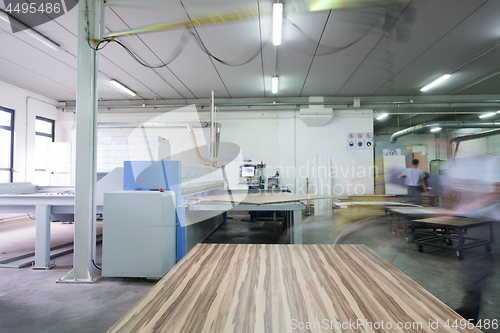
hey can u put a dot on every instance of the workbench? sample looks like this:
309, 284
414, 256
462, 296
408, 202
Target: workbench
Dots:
407, 214
451, 229
280, 288
47, 207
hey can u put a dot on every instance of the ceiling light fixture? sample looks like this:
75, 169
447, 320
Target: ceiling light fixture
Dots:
486, 115
382, 116
436, 82
277, 22
33, 33
436, 129
274, 84
122, 87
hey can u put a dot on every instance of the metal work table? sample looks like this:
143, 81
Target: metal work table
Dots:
47, 207
407, 214
452, 228
269, 288
293, 218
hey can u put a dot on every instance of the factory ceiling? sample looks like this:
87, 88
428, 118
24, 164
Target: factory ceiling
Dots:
385, 52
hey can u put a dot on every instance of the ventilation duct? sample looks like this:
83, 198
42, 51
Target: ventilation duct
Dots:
443, 125
316, 115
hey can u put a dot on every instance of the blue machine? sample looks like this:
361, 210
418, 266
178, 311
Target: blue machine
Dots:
173, 176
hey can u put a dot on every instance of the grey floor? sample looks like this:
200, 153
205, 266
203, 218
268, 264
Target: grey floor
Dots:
31, 301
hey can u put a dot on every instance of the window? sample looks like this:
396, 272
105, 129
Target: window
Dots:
6, 145
44, 134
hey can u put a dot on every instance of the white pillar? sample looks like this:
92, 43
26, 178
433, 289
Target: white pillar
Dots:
42, 237
86, 138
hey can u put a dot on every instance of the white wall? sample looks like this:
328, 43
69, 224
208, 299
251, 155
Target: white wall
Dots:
282, 141
27, 105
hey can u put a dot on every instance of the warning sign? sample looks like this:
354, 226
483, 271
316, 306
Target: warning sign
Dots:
359, 140
368, 140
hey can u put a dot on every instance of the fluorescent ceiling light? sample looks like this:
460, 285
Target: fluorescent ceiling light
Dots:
436, 129
436, 82
122, 87
277, 22
33, 33
274, 84
486, 115
382, 116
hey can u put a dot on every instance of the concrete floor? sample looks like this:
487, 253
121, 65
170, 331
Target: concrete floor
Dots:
31, 301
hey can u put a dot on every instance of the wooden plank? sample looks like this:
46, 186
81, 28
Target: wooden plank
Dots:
453, 221
269, 288
265, 198
420, 211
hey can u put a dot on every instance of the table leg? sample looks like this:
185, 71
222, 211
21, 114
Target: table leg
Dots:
491, 232
296, 229
42, 237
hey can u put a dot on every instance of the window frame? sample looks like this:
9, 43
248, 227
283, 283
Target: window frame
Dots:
52, 135
11, 129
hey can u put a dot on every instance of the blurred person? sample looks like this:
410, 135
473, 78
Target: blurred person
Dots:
415, 181
474, 271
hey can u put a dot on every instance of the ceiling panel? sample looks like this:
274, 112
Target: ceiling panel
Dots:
153, 48
355, 57
353, 33
471, 35
416, 29
25, 78
294, 54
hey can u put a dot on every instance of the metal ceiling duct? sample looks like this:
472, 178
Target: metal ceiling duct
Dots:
453, 153
443, 125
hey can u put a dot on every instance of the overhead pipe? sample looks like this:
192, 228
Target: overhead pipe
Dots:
453, 154
443, 125
122, 125
367, 102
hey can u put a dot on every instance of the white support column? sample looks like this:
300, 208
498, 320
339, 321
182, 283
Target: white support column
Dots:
84, 270
42, 237
296, 236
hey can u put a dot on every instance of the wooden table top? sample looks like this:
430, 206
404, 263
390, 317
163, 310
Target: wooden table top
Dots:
420, 210
452, 221
266, 198
280, 288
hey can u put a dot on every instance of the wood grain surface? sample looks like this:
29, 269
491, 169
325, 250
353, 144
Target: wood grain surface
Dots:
420, 211
280, 288
452, 221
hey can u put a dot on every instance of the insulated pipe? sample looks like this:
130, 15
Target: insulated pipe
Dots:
444, 124
151, 125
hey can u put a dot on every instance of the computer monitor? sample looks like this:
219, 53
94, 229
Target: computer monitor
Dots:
247, 171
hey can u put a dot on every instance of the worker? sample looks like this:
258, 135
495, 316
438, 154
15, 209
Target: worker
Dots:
415, 181
474, 272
